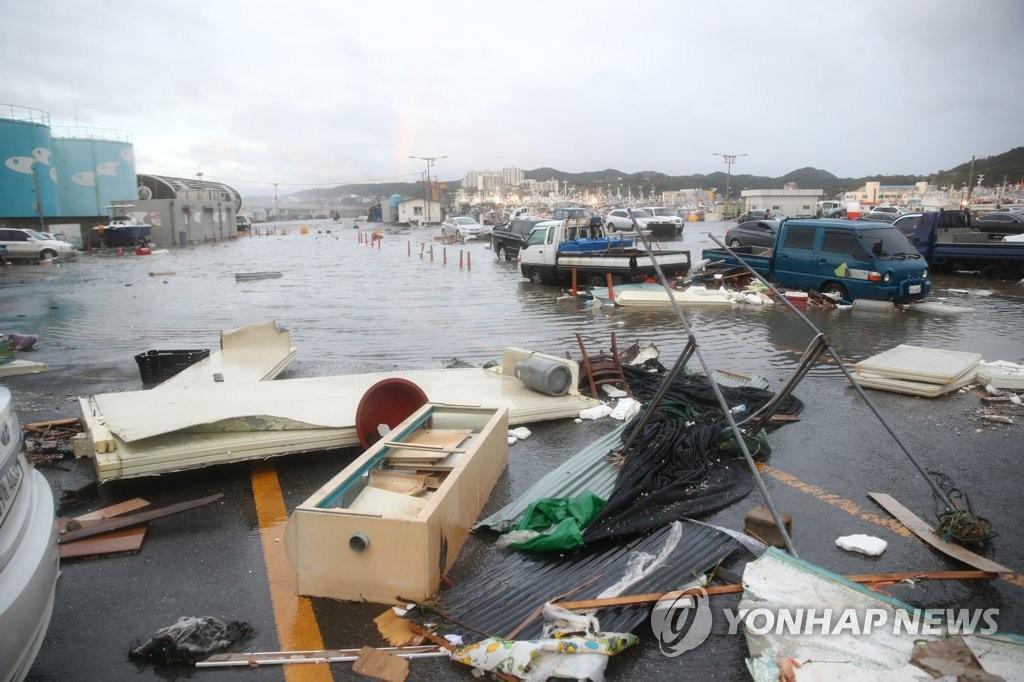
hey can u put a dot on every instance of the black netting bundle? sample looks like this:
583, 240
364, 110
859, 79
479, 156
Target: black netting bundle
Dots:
190, 639
685, 463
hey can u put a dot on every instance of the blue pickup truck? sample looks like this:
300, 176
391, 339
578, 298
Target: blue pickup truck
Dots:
950, 242
845, 258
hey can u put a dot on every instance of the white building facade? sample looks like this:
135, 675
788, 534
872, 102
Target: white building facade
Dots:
417, 211
792, 203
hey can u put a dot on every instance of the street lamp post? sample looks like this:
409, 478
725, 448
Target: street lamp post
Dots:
426, 185
729, 159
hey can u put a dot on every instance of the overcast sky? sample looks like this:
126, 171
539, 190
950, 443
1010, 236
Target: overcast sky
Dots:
326, 92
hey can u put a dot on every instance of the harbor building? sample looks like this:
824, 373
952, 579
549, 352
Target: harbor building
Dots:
185, 211
874, 193
792, 203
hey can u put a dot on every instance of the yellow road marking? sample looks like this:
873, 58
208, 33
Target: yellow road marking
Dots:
854, 509
297, 629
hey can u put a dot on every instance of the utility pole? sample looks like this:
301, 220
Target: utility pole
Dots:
729, 159
426, 185
275, 200
970, 181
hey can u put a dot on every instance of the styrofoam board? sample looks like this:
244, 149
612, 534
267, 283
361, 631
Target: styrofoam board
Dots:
915, 363
18, 367
916, 388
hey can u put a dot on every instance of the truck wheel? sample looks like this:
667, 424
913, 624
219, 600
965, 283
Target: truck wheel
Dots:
837, 289
992, 271
510, 255
47, 254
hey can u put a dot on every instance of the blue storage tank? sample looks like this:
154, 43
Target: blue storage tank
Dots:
93, 172
396, 199
26, 160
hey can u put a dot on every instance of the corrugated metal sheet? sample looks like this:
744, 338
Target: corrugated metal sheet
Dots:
589, 469
506, 595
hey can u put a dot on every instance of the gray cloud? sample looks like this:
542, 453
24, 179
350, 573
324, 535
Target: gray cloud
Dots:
322, 92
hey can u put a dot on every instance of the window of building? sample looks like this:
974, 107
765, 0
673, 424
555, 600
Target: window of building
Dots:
807, 208
800, 237
845, 243
775, 208
417, 210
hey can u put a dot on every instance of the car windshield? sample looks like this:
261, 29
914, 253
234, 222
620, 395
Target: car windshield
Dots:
640, 213
662, 211
465, 221
892, 242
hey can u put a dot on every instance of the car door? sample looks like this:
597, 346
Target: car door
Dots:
19, 244
796, 258
843, 258
763, 234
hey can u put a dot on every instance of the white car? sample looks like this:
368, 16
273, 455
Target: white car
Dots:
28, 551
667, 214
659, 227
895, 210
29, 244
460, 226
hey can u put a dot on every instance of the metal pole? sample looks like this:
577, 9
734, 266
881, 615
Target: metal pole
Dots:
737, 434
729, 159
849, 377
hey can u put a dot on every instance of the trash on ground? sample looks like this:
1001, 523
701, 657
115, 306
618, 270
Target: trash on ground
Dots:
190, 640
133, 434
553, 524
381, 665
254, 276
919, 371
625, 409
595, 412
777, 581
393, 628
122, 541
760, 524
259, 658
358, 539
922, 530
252, 352
864, 544
1002, 374
22, 342
127, 520
18, 366
520, 432
613, 391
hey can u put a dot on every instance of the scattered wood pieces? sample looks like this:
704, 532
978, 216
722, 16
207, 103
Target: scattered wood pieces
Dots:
381, 665
926, 533
735, 588
394, 629
998, 418
114, 510
53, 423
115, 542
125, 521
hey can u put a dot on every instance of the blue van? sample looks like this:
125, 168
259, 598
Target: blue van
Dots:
851, 259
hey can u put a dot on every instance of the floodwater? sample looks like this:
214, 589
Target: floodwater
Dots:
355, 308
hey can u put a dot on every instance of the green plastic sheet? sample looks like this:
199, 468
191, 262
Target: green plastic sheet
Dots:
559, 521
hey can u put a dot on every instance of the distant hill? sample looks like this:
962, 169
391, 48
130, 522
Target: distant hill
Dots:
1008, 164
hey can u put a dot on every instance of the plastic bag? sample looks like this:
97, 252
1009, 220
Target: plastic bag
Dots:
189, 640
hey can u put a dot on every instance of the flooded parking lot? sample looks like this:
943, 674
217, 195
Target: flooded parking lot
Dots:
352, 308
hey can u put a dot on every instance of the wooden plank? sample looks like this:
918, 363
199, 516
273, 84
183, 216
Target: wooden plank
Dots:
397, 482
127, 520
926, 533
381, 665
67, 421
404, 455
114, 510
114, 542
438, 438
385, 502
736, 588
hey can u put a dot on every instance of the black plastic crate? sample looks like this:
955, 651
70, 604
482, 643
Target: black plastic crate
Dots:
156, 366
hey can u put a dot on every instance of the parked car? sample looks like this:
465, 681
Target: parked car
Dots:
753, 215
1001, 222
460, 226
660, 227
877, 216
663, 213
752, 233
895, 210
32, 245
28, 551
573, 213
508, 239
846, 258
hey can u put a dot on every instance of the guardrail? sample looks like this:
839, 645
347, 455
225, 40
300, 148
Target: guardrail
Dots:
14, 112
89, 133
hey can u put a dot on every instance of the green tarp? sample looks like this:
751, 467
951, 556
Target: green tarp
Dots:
558, 522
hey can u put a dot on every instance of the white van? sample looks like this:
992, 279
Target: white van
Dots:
28, 551
33, 245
